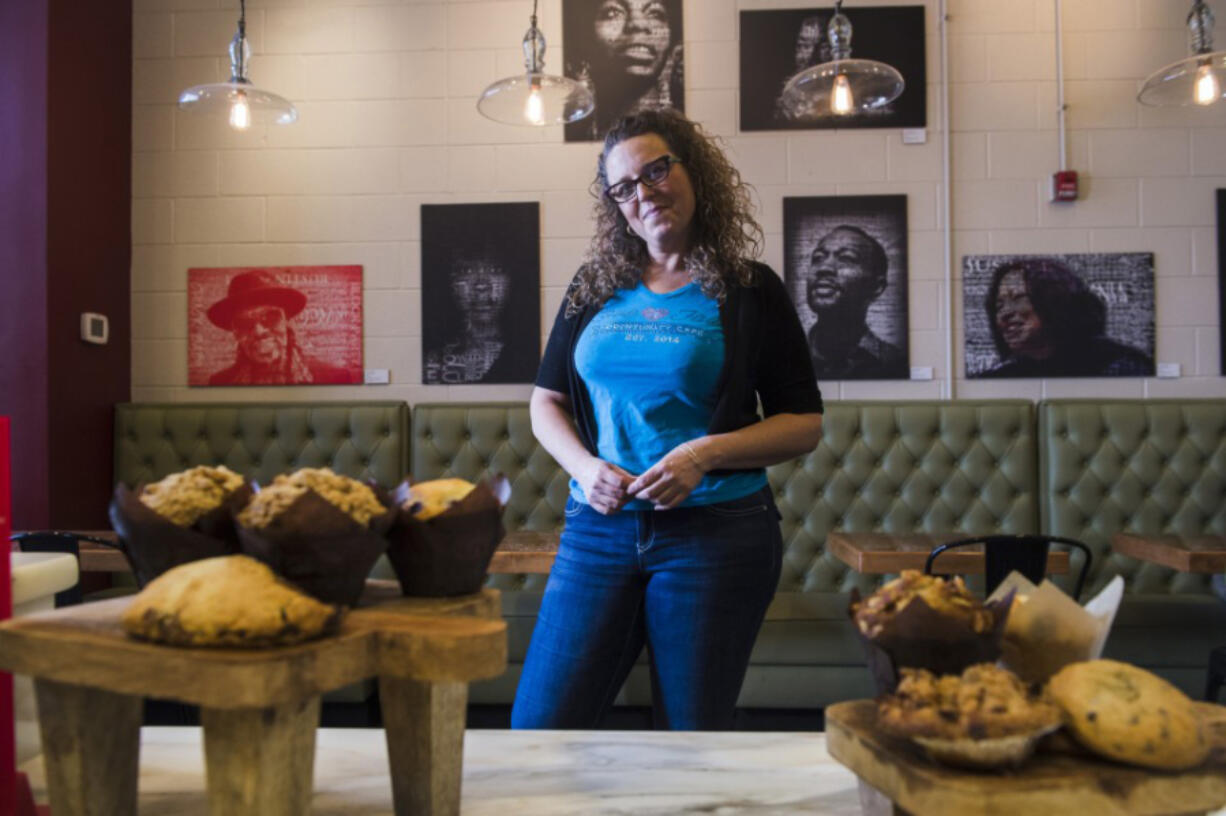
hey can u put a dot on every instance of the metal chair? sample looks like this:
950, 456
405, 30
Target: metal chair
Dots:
59, 541
1025, 553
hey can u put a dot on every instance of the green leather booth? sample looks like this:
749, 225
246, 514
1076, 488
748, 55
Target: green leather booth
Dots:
1146, 466
915, 466
365, 440
1083, 469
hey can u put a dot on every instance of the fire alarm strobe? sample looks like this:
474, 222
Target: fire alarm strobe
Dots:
1064, 186
95, 328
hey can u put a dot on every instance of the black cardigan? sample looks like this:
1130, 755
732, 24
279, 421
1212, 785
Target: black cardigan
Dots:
766, 357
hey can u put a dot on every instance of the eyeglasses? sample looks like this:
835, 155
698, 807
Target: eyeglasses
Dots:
654, 172
270, 317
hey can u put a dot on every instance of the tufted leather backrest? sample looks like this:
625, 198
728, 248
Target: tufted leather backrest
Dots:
915, 466
918, 466
365, 440
1152, 466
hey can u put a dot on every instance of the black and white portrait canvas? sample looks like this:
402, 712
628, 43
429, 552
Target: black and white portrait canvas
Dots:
480, 293
776, 44
1083, 315
629, 53
845, 266
1221, 273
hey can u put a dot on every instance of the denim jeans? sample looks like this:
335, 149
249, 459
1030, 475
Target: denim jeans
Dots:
692, 584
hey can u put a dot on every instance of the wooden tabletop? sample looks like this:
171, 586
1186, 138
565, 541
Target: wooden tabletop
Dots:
882, 553
520, 551
1046, 783
1203, 553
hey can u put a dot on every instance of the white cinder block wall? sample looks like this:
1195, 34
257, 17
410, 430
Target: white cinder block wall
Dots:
386, 92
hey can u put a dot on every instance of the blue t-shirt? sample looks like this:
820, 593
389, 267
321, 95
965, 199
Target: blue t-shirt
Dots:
651, 363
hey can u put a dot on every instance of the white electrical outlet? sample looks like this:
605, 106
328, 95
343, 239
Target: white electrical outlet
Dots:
914, 135
1168, 370
921, 372
377, 376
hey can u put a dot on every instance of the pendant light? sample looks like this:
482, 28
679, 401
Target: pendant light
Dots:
238, 100
843, 86
536, 98
1196, 80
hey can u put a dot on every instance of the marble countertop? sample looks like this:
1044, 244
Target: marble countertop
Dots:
543, 773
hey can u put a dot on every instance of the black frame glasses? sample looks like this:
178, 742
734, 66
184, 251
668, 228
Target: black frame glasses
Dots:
654, 173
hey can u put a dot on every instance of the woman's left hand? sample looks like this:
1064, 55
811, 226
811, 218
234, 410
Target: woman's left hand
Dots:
669, 481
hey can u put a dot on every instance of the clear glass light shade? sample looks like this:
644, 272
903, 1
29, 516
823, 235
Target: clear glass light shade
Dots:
536, 100
1197, 80
841, 88
242, 104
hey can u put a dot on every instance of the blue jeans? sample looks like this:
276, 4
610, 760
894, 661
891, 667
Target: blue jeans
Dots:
692, 584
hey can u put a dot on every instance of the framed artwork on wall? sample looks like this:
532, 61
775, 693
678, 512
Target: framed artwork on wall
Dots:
1221, 276
480, 293
287, 325
629, 53
1081, 315
777, 44
845, 266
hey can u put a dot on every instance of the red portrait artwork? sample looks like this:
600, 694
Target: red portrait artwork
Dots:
283, 325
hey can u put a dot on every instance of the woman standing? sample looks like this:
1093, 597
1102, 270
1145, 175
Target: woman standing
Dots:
647, 396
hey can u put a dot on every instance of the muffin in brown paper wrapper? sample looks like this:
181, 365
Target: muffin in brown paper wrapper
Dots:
449, 553
153, 544
319, 548
921, 637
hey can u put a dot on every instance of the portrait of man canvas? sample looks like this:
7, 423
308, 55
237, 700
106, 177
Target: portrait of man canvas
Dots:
286, 325
845, 266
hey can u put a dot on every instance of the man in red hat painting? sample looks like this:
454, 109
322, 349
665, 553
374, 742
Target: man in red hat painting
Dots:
257, 310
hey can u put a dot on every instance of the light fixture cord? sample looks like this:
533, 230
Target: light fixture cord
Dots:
242, 18
1200, 27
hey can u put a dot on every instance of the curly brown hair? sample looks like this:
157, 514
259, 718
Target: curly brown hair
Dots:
726, 237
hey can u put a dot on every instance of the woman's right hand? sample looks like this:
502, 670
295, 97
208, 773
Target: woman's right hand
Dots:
604, 484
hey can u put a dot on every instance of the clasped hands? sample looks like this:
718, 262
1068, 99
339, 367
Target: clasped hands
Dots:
665, 484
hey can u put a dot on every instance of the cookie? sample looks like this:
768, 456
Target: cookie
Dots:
1128, 714
228, 601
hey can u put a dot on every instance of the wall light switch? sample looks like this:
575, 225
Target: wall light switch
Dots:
95, 328
377, 376
1168, 370
914, 136
921, 372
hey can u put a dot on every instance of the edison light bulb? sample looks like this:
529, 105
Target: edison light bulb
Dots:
240, 112
534, 108
840, 101
1208, 89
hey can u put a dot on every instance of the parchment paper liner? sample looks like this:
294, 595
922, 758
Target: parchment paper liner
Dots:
920, 637
448, 554
153, 544
319, 548
991, 753
1047, 630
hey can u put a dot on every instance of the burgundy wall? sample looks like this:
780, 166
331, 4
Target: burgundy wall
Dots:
65, 167
23, 252
89, 150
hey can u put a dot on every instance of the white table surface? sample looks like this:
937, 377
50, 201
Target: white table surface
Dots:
543, 773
